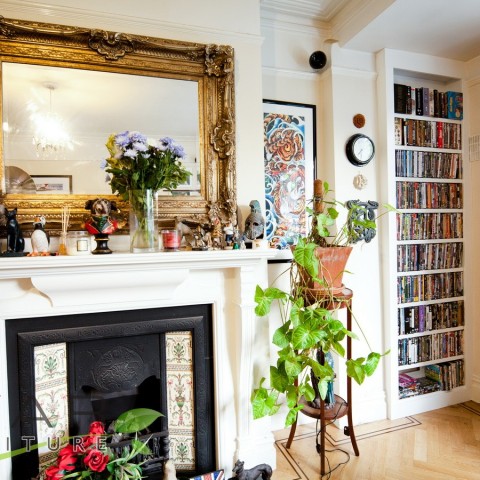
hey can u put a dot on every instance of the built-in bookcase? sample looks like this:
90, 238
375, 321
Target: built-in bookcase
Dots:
426, 269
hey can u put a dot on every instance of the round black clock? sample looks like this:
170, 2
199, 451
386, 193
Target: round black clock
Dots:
360, 149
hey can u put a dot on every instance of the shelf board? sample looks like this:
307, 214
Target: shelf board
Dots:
431, 332
402, 368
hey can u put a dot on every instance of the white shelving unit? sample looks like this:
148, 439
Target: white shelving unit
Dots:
417, 287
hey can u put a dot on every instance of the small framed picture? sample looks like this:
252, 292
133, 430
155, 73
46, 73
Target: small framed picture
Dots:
53, 183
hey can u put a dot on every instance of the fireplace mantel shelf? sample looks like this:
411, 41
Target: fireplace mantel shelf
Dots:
119, 277
26, 267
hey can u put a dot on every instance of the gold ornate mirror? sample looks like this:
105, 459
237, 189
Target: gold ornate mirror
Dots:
164, 88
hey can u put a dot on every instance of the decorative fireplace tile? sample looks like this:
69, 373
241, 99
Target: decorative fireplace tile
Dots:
180, 399
51, 394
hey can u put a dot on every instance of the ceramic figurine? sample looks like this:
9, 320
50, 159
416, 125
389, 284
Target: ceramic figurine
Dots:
15, 240
40, 239
254, 223
101, 223
263, 471
228, 232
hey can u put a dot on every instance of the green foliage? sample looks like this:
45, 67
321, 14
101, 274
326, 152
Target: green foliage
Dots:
136, 420
308, 326
323, 232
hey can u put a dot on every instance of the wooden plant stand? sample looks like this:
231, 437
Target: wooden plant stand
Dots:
341, 408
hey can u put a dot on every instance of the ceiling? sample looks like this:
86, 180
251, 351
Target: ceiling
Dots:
434, 27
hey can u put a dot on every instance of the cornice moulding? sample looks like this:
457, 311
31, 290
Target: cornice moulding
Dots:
34, 11
289, 24
294, 74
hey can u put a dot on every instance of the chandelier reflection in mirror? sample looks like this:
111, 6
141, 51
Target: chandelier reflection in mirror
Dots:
50, 137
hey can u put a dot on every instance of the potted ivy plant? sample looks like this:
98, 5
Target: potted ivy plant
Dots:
308, 312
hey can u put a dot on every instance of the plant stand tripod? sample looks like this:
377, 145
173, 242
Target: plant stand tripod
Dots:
341, 408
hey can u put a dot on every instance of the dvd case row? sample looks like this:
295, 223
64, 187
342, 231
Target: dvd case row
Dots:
426, 101
429, 256
430, 347
424, 318
440, 376
428, 133
449, 375
429, 195
424, 164
429, 226
434, 286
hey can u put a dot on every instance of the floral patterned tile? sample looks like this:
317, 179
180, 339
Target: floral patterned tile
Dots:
51, 395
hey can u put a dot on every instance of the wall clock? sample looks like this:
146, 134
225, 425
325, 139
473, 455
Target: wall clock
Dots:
359, 149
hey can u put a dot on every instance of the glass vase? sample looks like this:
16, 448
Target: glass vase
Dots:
143, 221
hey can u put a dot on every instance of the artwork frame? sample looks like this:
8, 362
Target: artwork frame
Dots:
289, 155
53, 184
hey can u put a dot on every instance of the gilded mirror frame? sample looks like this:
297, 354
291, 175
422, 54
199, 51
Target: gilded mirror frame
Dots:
212, 66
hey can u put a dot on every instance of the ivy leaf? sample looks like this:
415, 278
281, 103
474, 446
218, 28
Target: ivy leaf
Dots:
308, 392
323, 388
292, 415
264, 299
278, 378
293, 368
304, 337
280, 336
304, 255
372, 363
264, 401
135, 420
355, 369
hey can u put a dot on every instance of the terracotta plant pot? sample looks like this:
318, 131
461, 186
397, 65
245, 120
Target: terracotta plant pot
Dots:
332, 263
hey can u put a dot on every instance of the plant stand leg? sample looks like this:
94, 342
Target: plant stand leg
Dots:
351, 431
292, 433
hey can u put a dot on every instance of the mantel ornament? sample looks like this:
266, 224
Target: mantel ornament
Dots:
211, 66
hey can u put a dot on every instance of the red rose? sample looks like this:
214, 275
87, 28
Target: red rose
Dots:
87, 441
66, 458
95, 460
97, 428
53, 473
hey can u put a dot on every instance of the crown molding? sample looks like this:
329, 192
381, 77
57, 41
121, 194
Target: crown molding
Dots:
37, 11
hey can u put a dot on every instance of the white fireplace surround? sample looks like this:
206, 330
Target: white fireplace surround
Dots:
46, 286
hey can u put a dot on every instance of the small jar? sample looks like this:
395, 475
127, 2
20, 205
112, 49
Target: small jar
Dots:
78, 243
171, 240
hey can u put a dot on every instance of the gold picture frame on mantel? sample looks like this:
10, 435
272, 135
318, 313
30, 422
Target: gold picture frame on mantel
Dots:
210, 66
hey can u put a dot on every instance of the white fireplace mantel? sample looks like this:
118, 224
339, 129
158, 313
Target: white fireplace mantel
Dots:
59, 285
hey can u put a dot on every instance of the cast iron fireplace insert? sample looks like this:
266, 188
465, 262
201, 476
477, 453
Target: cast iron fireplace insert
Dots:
124, 331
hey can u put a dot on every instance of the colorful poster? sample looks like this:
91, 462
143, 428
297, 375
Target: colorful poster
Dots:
289, 158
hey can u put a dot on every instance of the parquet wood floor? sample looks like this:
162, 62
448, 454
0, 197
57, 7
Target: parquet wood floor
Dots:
442, 444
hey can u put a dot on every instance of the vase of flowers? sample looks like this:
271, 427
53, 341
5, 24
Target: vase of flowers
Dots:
138, 168
90, 457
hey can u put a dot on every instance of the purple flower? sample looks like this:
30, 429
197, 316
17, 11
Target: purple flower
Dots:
130, 152
103, 164
168, 143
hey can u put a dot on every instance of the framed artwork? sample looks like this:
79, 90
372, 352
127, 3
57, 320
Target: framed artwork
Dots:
289, 158
53, 183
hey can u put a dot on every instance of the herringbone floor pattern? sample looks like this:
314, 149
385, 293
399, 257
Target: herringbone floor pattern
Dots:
442, 444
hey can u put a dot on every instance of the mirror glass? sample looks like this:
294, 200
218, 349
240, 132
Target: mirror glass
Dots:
81, 109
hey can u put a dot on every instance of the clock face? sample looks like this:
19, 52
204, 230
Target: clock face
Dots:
363, 149
360, 149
